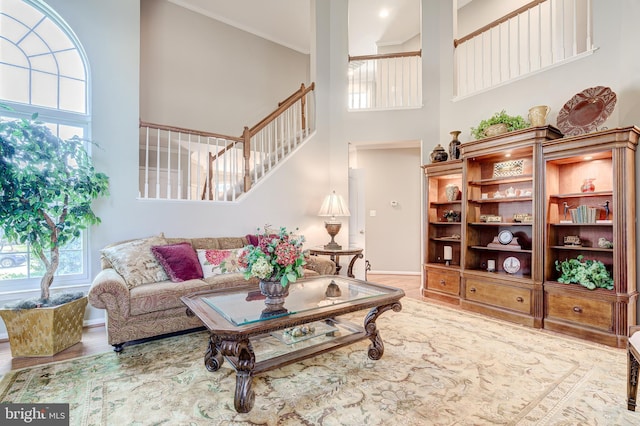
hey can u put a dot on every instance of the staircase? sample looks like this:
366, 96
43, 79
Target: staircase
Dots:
186, 164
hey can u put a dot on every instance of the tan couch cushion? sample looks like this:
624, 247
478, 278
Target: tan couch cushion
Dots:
166, 295
135, 261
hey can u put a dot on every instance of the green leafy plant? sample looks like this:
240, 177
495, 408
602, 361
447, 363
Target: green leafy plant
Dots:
47, 186
591, 274
513, 122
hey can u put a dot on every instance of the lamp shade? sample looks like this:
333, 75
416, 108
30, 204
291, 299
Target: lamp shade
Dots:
333, 206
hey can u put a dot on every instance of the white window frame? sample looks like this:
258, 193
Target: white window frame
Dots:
27, 287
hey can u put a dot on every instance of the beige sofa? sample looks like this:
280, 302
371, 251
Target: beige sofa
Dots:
142, 302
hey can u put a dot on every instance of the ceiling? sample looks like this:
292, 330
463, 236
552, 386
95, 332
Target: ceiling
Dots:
287, 22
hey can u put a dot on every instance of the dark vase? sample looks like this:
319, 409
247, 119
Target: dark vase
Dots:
454, 145
274, 292
438, 154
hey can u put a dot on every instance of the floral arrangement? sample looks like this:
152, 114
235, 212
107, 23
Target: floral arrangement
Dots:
277, 257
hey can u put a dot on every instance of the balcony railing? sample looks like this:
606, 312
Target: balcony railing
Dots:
538, 35
389, 81
186, 164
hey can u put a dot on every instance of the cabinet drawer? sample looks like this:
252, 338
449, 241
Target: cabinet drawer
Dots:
594, 313
447, 282
514, 298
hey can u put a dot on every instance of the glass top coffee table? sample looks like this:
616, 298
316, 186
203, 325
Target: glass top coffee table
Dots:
255, 337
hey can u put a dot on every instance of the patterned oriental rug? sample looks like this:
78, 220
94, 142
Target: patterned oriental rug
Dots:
441, 366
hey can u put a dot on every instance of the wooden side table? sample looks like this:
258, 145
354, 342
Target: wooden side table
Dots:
334, 255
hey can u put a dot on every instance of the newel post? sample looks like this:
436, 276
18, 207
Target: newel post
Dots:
246, 154
303, 101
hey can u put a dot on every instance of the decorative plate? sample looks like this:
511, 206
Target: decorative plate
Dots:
511, 265
584, 112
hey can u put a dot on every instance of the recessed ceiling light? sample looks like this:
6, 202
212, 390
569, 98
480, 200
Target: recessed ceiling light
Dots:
588, 157
507, 155
383, 13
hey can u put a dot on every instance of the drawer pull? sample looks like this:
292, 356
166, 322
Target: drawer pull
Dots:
443, 283
519, 299
472, 290
577, 309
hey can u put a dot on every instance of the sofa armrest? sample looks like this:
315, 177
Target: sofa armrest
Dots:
322, 266
109, 291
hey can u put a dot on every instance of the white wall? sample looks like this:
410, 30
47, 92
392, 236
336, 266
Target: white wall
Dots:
608, 66
202, 74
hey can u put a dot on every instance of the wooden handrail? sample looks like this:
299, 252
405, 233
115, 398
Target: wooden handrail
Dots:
300, 93
497, 22
245, 139
385, 56
189, 131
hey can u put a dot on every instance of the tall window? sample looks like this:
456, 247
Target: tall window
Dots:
43, 69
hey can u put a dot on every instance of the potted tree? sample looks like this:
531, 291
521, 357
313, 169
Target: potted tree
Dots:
47, 186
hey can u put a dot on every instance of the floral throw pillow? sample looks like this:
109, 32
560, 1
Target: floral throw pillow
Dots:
216, 262
135, 261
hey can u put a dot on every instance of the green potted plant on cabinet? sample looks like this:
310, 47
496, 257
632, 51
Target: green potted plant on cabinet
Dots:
47, 186
499, 123
591, 274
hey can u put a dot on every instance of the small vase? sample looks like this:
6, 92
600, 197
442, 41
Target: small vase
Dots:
274, 292
538, 115
438, 154
588, 186
454, 145
452, 191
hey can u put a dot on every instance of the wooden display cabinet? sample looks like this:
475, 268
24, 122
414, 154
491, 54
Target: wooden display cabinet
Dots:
502, 248
597, 222
443, 235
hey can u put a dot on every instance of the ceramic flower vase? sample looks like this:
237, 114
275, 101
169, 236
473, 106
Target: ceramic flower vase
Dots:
454, 145
452, 191
538, 115
274, 292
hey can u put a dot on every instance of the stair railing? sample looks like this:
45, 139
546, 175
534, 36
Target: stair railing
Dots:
185, 164
385, 81
539, 35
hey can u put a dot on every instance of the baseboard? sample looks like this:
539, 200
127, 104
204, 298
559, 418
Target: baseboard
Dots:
392, 273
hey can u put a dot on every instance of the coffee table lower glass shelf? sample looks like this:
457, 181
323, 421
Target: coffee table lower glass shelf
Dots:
254, 343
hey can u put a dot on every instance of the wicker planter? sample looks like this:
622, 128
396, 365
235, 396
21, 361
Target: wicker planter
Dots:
44, 331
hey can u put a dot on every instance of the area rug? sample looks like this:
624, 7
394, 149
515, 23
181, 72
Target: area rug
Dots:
441, 366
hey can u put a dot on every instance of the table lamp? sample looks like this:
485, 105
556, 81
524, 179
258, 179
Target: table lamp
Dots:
332, 207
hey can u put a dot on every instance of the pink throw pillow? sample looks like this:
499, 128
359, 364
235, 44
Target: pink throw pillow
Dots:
180, 261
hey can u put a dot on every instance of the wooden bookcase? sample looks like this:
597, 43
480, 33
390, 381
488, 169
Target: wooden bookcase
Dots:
502, 177
607, 157
442, 278
513, 229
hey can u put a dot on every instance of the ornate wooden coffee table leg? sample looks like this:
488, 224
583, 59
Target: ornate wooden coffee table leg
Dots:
213, 358
376, 348
243, 352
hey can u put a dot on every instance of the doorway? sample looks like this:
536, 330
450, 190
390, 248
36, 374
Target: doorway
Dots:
385, 198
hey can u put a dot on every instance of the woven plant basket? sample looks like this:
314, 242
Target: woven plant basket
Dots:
44, 331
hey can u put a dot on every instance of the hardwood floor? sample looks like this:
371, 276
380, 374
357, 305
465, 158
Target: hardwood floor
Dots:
94, 339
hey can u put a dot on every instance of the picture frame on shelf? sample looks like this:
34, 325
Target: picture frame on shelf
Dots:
508, 168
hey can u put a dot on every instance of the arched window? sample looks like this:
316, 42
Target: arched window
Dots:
43, 69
